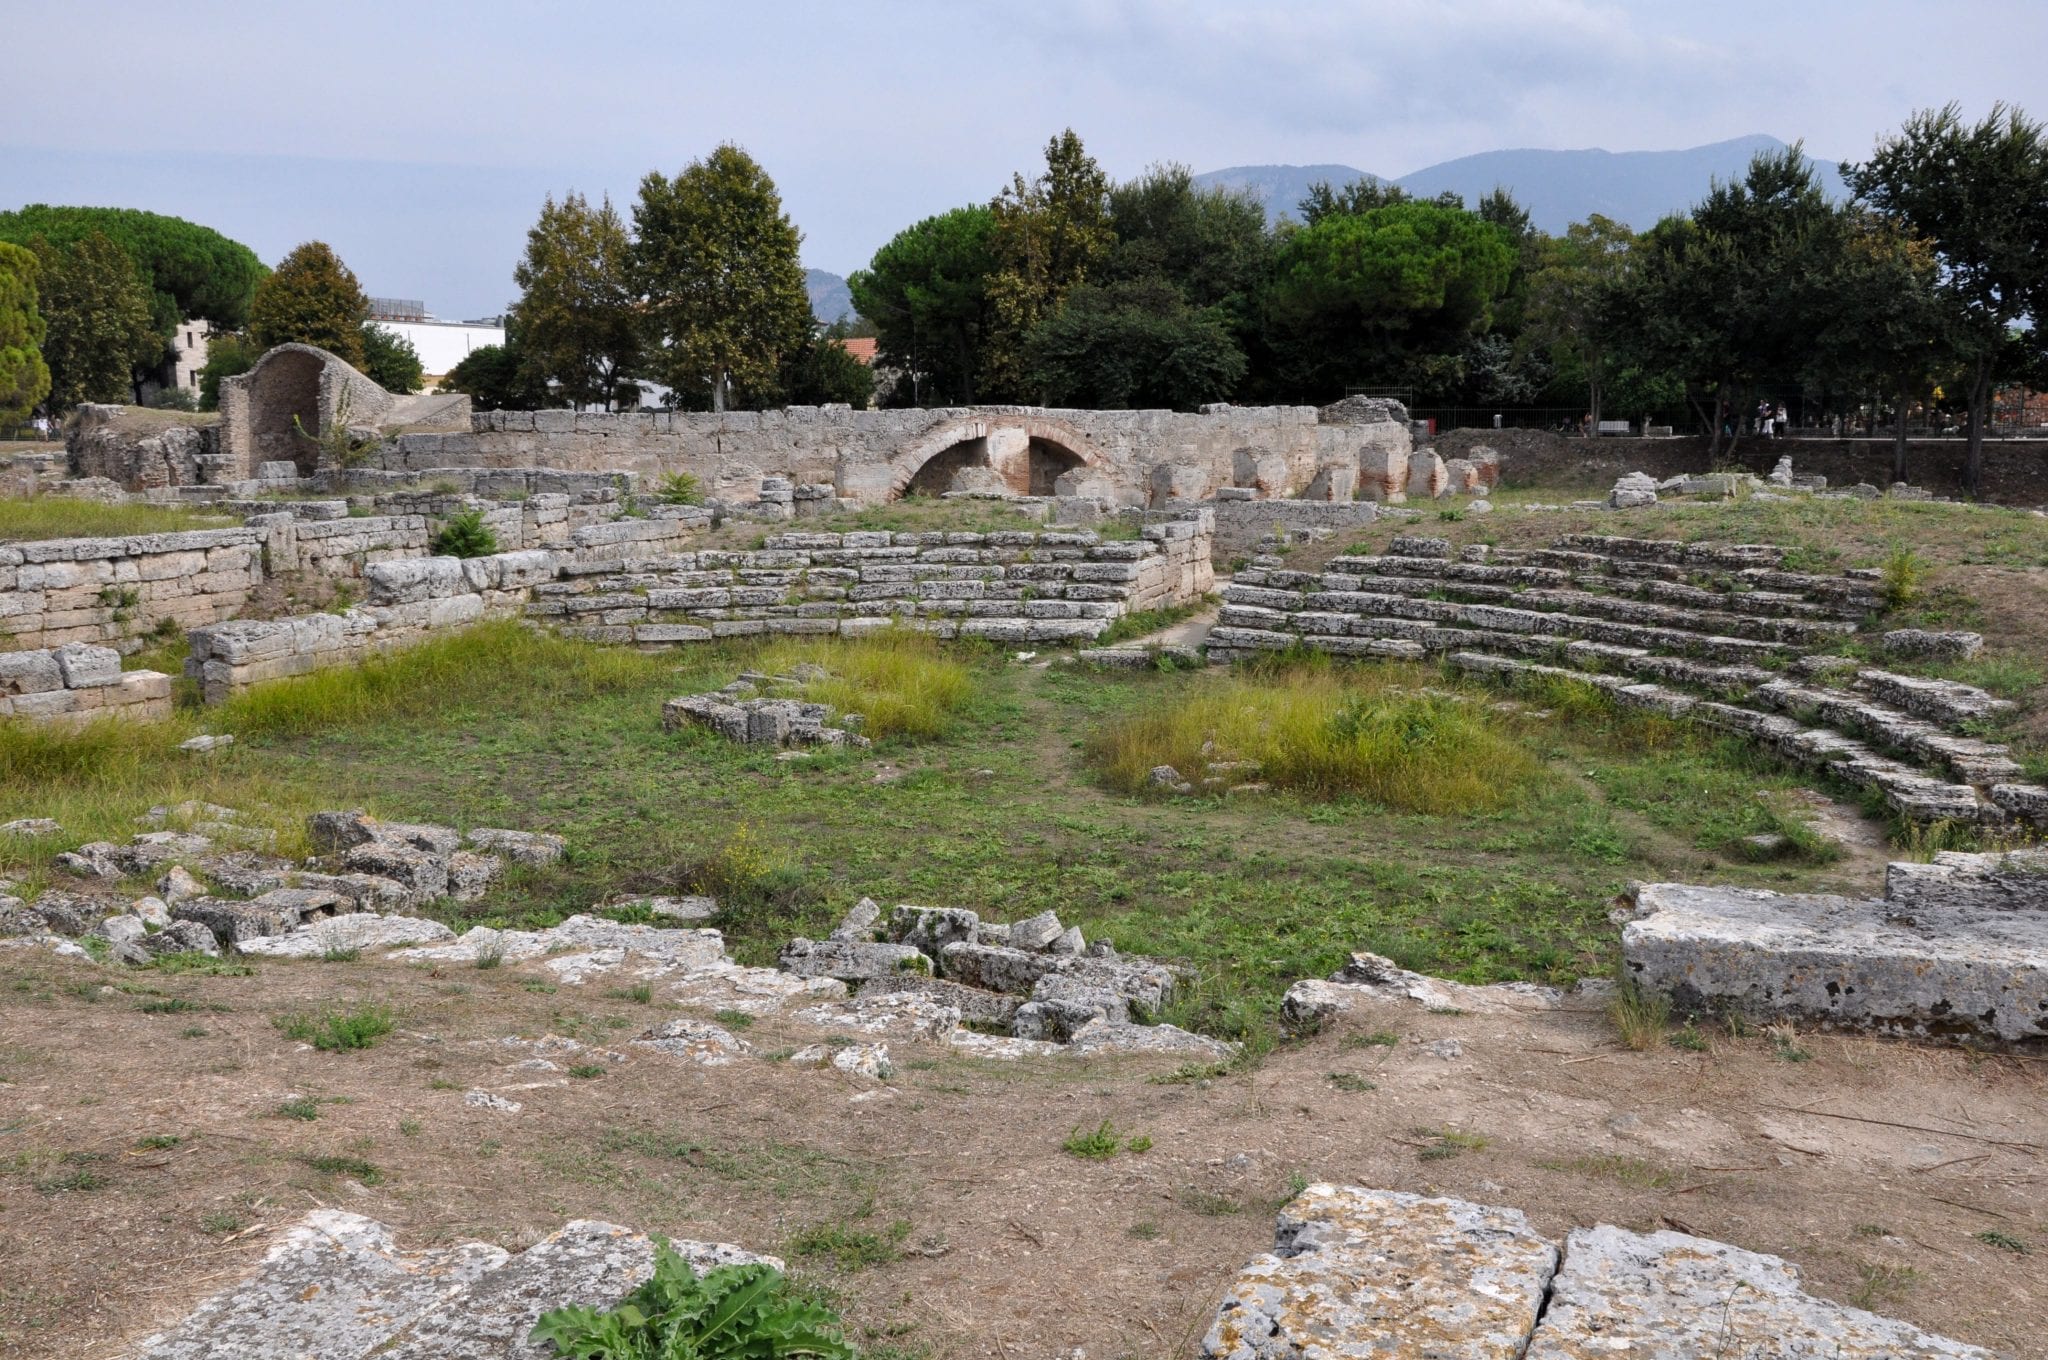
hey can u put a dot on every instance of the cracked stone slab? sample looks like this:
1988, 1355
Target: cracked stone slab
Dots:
730, 986
697, 1041
1668, 1296
1359, 1274
862, 1060
333, 1284
1371, 978
661, 950
900, 1015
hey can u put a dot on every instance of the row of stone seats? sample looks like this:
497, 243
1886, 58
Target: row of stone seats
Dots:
1531, 614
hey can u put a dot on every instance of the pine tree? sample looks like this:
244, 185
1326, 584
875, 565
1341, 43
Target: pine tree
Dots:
311, 299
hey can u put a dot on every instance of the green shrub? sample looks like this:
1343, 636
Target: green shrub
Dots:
679, 488
1903, 575
730, 1313
1098, 1145
465, 535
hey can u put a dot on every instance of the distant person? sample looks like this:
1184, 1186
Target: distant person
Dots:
1782, 421
1763, 419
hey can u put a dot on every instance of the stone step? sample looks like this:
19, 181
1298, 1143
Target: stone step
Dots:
1942, 700
1971, 760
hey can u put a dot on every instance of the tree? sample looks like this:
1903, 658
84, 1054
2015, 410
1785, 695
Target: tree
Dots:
716, 260
577, 312
1132, 344
1212, 245
1570, 293
1359, 196
390, 360
97, 315
926, 292
24, 376
189, 270
228, 354
1049, 234
311, 299
497, 378
1979, 194
823, 371
1358, 295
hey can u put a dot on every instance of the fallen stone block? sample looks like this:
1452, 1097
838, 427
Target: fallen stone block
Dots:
1355, 1274
861, 1060
346, 934
850, 960
900, 1015
696, 1041
531, 849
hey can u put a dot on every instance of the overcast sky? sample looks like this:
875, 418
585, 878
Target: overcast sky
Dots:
439, 120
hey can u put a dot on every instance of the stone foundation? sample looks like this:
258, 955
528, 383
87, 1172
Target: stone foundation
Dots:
77, 682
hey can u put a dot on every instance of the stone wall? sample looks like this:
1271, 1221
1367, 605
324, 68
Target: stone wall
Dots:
1240, 524
78, 681
617, 584
55, 591
1012, 587
874, 456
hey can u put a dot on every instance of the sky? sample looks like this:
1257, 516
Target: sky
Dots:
418, 138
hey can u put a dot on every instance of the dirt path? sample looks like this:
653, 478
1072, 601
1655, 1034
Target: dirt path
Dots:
1897, 1178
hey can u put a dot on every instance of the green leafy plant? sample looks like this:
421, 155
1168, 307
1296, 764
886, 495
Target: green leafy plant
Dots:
1097, 1146
1902, 576
679, 488
740, 1312
465, 535
336, 1032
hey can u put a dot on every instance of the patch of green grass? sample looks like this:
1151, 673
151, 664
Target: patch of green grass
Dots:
305, 1108
44, 517
82, 1180
1630, 1171
642, 992
1640, 1017
849, 1248
1379, 1038
1442, 1144
1144, 1231
366, 1173
1991, 1237
588, 1071
338, 1031
1325, 732
1206, 1203
903, 683
158, 1142
1688, 1038
732, 1019
221, 1221
1148, 621
410, 1128
1351, 1082
1093, 1145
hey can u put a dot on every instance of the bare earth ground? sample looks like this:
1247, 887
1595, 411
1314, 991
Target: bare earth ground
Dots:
1872, 1166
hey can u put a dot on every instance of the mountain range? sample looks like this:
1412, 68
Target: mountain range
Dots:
1557, 187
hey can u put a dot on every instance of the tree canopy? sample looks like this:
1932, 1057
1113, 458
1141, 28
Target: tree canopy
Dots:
311, 299
926, 292
1049, 233
715, 258
188, 270
24, 376
98, 323
577, 314
390, 360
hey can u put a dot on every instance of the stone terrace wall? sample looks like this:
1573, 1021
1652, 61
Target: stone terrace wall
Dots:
869, 455
618, 585
1011, 587
78, 681
60, 590
410, 597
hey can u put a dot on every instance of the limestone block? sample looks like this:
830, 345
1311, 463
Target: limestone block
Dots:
31, 672
1265, 475
1333, 482
1667, 1296
1177, 482
1427, 479
851, 961
1635, 490
1363, 1273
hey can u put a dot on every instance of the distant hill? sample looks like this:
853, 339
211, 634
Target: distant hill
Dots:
830, 300
1557, 187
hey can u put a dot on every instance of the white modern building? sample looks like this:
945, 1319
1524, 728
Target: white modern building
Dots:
441, 344
188, 344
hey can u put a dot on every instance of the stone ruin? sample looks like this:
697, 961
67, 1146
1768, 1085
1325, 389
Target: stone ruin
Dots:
742, 713
1038, 982
1637, 490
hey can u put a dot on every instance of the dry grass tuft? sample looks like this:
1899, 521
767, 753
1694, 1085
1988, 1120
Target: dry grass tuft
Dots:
1328, 732
901, 681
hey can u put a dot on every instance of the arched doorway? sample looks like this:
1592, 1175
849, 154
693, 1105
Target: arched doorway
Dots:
284, 409
935, 478
1046, 461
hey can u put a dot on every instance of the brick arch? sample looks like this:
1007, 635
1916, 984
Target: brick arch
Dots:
1062, 440
293, 387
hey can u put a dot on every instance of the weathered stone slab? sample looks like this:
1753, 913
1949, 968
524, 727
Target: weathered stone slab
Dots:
362, 930
332, 1285
851, 960
1374, 1274
697, 1041
1924, 968
1668, 1296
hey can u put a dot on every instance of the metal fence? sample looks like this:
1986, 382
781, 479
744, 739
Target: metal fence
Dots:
1561, 419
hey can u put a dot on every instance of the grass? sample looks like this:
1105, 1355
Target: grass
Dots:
304, 1108
1640, 1017
41, 517
1094, 1145
368, 1173
1326, 732
1443, 1144
1146, 622
338, 1031
847, 1248
902, 683
1002, 813
1991, 1237
1630, 1171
